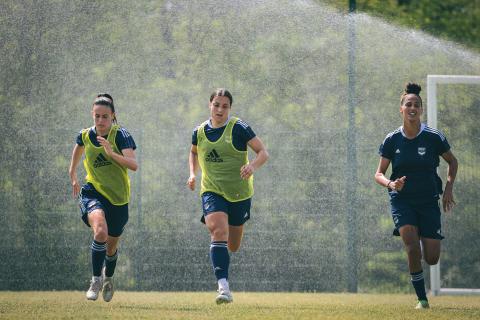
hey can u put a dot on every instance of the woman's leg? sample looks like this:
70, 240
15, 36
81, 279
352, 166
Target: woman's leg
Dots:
117, 218
431, 250
411, 240
217, 224
235, 235
110, 264
111, 257
97, 221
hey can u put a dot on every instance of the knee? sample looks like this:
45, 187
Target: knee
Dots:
414, 250
219, 234
432, 259
409, 236
100, 233
233, 247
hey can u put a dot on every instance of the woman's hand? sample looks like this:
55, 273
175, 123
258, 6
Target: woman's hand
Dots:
397, 184
76, 156
75, 188
191, 182
106, 145
447, 199
246, 171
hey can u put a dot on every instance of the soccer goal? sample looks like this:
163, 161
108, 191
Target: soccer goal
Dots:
432, 82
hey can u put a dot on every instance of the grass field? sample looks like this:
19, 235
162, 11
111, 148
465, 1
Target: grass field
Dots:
195, 305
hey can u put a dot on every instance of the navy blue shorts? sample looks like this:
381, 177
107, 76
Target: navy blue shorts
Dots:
425, 216
238, 212
116, 216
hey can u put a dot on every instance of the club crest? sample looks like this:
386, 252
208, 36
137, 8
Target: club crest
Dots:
422, 151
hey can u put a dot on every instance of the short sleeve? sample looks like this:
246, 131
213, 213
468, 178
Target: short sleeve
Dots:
443, 145
242, 133
79, 139
386, 148
124, 140
247, 134
194, 136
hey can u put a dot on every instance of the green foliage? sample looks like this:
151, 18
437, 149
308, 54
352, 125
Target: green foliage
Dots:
455, 20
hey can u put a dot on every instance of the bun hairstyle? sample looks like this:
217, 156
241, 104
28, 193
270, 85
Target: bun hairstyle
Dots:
104, 99
411, 88
221, 92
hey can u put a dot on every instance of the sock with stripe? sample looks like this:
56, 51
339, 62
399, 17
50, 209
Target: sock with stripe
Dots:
99, 251
418, 283
110, 264
220, 259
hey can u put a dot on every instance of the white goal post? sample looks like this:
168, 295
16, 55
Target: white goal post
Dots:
432, 81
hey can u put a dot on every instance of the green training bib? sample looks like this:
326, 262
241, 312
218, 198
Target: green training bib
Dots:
108, 177
220, 163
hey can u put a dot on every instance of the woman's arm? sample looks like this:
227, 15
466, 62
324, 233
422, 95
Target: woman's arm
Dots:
193, 165
447, 199
380, 178
126, 159
262, 156
72, 170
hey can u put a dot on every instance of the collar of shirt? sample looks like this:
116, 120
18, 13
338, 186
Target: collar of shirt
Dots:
422, 126
94, 130
209, 123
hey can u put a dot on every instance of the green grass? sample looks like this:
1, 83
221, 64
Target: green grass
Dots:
247, 305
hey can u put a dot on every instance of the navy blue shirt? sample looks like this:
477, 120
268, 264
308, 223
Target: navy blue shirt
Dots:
241, 134
417, 159
123, 140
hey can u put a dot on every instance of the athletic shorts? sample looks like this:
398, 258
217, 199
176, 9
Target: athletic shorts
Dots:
238, 212
116, 216
425, 216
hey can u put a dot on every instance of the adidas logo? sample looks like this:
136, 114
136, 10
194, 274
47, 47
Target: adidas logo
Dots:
398, 151
101, 161
213, 157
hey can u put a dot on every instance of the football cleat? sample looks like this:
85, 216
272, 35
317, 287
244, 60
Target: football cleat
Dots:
422, 304
224, 296
107, 290
95, 287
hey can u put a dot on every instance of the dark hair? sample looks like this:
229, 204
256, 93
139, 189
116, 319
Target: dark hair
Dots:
104, 99
222, 93
411, 88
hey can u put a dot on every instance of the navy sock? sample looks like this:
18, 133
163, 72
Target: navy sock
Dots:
220, 258
419, 284
99, 251
110, 264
